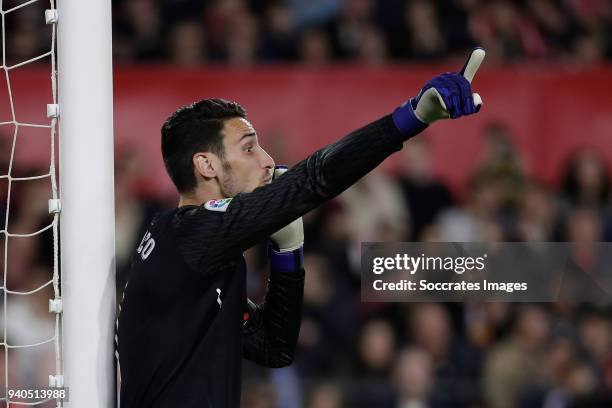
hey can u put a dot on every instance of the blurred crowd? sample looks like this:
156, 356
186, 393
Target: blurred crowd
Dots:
315, 32
354, 354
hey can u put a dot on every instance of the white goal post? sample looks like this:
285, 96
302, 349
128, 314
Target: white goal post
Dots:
87, 228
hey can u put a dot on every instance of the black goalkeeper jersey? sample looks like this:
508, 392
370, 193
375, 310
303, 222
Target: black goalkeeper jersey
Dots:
181, 330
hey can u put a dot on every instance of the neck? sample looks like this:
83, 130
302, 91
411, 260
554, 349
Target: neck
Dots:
199, 197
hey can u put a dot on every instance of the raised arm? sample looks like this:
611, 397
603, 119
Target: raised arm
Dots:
249, 217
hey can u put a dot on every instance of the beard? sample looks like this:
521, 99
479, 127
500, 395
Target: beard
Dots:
228, 185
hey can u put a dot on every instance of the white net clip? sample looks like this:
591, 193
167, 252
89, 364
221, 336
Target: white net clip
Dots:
55, 306
51, 16
52, 110
56, 381
55, 206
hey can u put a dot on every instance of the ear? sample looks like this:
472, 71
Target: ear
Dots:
203, 164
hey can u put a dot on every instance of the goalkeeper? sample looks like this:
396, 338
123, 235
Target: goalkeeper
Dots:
185, 321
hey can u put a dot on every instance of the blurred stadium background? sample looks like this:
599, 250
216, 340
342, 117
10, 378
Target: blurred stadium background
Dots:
534, 165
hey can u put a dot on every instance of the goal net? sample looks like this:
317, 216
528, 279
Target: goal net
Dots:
56, 312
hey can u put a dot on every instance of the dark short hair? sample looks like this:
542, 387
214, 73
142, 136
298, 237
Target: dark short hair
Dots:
191, 129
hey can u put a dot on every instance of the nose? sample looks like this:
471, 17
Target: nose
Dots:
267, 161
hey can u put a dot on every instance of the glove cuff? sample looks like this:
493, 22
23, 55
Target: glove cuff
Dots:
289, 261
406, 121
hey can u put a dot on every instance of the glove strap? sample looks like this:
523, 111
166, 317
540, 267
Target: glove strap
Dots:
290, 261
406, 121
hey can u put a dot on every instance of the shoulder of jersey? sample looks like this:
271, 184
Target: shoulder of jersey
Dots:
218, 205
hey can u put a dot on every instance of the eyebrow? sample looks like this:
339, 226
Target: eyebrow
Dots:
252, 134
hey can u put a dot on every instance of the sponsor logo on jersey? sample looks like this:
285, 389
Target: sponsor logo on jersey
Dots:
218, 205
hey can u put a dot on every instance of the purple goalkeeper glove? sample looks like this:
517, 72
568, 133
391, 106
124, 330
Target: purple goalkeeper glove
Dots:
446, 96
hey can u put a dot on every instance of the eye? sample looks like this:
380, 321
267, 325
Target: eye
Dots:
248, 148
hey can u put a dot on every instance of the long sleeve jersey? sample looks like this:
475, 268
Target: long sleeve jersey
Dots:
181, 330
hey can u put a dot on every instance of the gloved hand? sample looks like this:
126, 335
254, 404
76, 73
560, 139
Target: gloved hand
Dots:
446, 96
291, 236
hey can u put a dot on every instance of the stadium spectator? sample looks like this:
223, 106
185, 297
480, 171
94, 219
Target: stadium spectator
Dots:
314, 12
586, 181
28, 321
502, 165
512, 366
537, 215
315, 47
279, 36
425, 195
595, 334
413, 379
376, 349
478, 220
139, 24
326, 396
187, 44
376, 212
29, 213
453, 360
327, 323
426, 39
349, 26
372, 49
